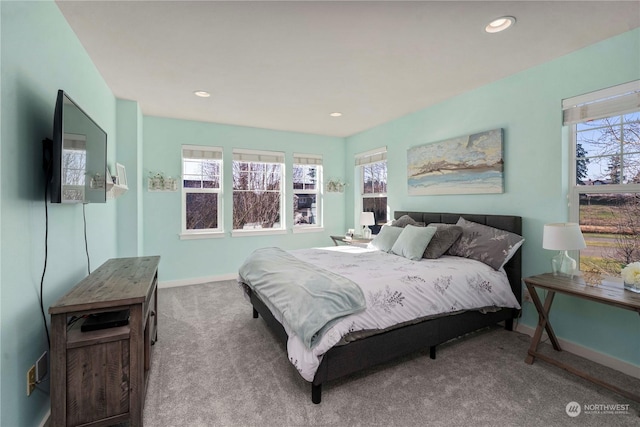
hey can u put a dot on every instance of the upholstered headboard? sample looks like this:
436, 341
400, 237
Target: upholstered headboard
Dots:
504, 222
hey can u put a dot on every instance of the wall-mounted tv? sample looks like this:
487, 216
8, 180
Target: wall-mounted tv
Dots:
78, 155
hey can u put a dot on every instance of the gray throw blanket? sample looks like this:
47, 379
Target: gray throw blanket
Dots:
309, 298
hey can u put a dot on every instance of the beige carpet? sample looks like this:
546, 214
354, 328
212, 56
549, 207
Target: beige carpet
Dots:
214, 365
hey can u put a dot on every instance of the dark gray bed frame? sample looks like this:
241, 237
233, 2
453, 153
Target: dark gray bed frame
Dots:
367, 352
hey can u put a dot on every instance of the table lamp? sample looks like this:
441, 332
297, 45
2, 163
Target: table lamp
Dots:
563, 237
366, 219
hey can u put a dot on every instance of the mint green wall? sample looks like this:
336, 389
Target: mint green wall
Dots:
39, 55
528, 107
186, 259
129, 119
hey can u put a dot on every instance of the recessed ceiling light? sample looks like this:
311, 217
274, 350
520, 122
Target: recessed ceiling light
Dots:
500, 24
336, 114
202, 93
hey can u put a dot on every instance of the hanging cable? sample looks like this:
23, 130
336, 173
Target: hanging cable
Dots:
86, 245
46, 149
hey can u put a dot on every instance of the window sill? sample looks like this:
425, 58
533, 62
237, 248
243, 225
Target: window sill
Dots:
307, 229
260, 232
202, 235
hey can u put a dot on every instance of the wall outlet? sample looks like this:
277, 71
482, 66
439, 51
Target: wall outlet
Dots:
31, 380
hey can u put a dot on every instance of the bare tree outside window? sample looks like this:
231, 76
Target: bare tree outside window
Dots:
607, 174
256, 195
608, 150
201, 186
374, 190
306, 194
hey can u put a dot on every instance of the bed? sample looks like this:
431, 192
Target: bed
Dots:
382, 346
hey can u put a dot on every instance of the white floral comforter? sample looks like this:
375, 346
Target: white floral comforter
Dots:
398, 290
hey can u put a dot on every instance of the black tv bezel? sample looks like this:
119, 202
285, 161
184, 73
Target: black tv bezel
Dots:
56, 150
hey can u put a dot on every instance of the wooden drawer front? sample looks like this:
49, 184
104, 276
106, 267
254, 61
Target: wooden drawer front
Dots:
97, 382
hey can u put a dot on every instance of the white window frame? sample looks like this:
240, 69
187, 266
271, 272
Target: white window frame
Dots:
596, 105
310, 160
272, 157
613, 101
364, 159
195, 152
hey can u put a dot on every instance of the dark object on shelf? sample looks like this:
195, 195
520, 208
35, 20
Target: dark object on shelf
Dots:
106, 320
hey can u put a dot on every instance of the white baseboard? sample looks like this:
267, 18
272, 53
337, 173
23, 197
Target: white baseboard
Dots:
196, 281
588, 353
45, 420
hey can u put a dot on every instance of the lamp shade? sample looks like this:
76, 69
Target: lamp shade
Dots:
563, 236
366, 218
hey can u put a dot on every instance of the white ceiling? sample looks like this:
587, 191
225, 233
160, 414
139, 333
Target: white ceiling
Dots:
287, 65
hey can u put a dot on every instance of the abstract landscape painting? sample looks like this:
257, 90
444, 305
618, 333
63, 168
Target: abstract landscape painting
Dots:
469, 164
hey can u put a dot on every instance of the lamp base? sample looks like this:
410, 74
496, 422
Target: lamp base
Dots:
366, 232
562, 263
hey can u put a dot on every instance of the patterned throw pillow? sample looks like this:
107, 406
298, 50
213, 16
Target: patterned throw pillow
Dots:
405, 220
413, 241
384, 240
446, 235
489, 245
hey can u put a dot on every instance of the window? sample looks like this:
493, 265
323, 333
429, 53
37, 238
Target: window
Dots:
257, 190
201, 189
373, 179
307, 194
605, 177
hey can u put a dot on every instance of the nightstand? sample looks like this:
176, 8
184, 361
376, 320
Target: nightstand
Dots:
355, 240
605, 293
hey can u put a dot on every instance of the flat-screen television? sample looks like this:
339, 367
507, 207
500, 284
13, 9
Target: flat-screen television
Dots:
78, 155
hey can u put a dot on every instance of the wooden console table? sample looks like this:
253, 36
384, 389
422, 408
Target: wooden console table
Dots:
355, 240
99, 377
575, 287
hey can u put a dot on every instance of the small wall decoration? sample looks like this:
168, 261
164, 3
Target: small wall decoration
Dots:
121, 175
158, 182
471, 164
335, 186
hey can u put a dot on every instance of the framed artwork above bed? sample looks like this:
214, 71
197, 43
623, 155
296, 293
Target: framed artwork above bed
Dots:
470, 164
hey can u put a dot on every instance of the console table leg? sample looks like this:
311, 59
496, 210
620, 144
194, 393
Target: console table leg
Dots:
543, 323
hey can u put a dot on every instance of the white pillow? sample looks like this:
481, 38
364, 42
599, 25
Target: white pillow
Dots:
413, 241
384, 240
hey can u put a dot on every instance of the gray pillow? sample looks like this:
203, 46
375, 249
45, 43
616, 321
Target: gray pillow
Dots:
489, 245
384, 240
413, 241
405, 220
446, 235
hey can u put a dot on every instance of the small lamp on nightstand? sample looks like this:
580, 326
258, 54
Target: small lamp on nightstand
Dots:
366, 219
563, 237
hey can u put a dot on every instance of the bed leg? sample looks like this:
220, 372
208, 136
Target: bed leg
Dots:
316, 393
508, 324
432, 352
255, 313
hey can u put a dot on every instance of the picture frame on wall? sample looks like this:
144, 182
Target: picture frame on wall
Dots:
470, 164
121, 175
